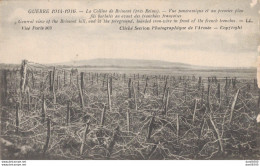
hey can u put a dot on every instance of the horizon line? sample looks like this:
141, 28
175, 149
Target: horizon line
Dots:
183, 63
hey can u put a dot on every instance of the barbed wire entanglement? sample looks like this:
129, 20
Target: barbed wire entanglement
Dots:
52, 112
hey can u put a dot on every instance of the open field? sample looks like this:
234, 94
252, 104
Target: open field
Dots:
249, 74
108, 113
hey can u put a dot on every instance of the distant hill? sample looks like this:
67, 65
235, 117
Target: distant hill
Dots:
126, 63
136, 63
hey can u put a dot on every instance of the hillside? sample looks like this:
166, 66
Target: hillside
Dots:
126, 63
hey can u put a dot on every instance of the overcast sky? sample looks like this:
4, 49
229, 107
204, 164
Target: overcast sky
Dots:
75, 42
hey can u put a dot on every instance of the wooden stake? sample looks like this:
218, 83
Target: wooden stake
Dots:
177, 127
68, 113
50, 81
43, 109
138, 86
218, 92
111, 83
104, 80
108, 96
64, 72
128, 120
233, 106
3, 85
32, 79
97, 78
150, 128
146, 84
48, 136
157, 85
82, 81
53, 79
194, 111
185, 91
208, 96
92, 79
84, 138
258, 101
217, 134
129, 89
226, 82
135, 99
166, 102
165, 86
28, 99
102, 121
77, 79
70, 78
202, 94
17, 122
23, 75
54, 96
81, 96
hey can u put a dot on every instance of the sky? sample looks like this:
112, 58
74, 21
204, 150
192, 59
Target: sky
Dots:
81, 42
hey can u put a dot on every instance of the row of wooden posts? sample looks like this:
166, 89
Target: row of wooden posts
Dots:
131, 88
131, 93
109, 89
23, 73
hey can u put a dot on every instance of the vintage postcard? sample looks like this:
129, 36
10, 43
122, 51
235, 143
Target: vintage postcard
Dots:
129, 80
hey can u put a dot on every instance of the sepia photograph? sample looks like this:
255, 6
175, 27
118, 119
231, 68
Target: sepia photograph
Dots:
130, 80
